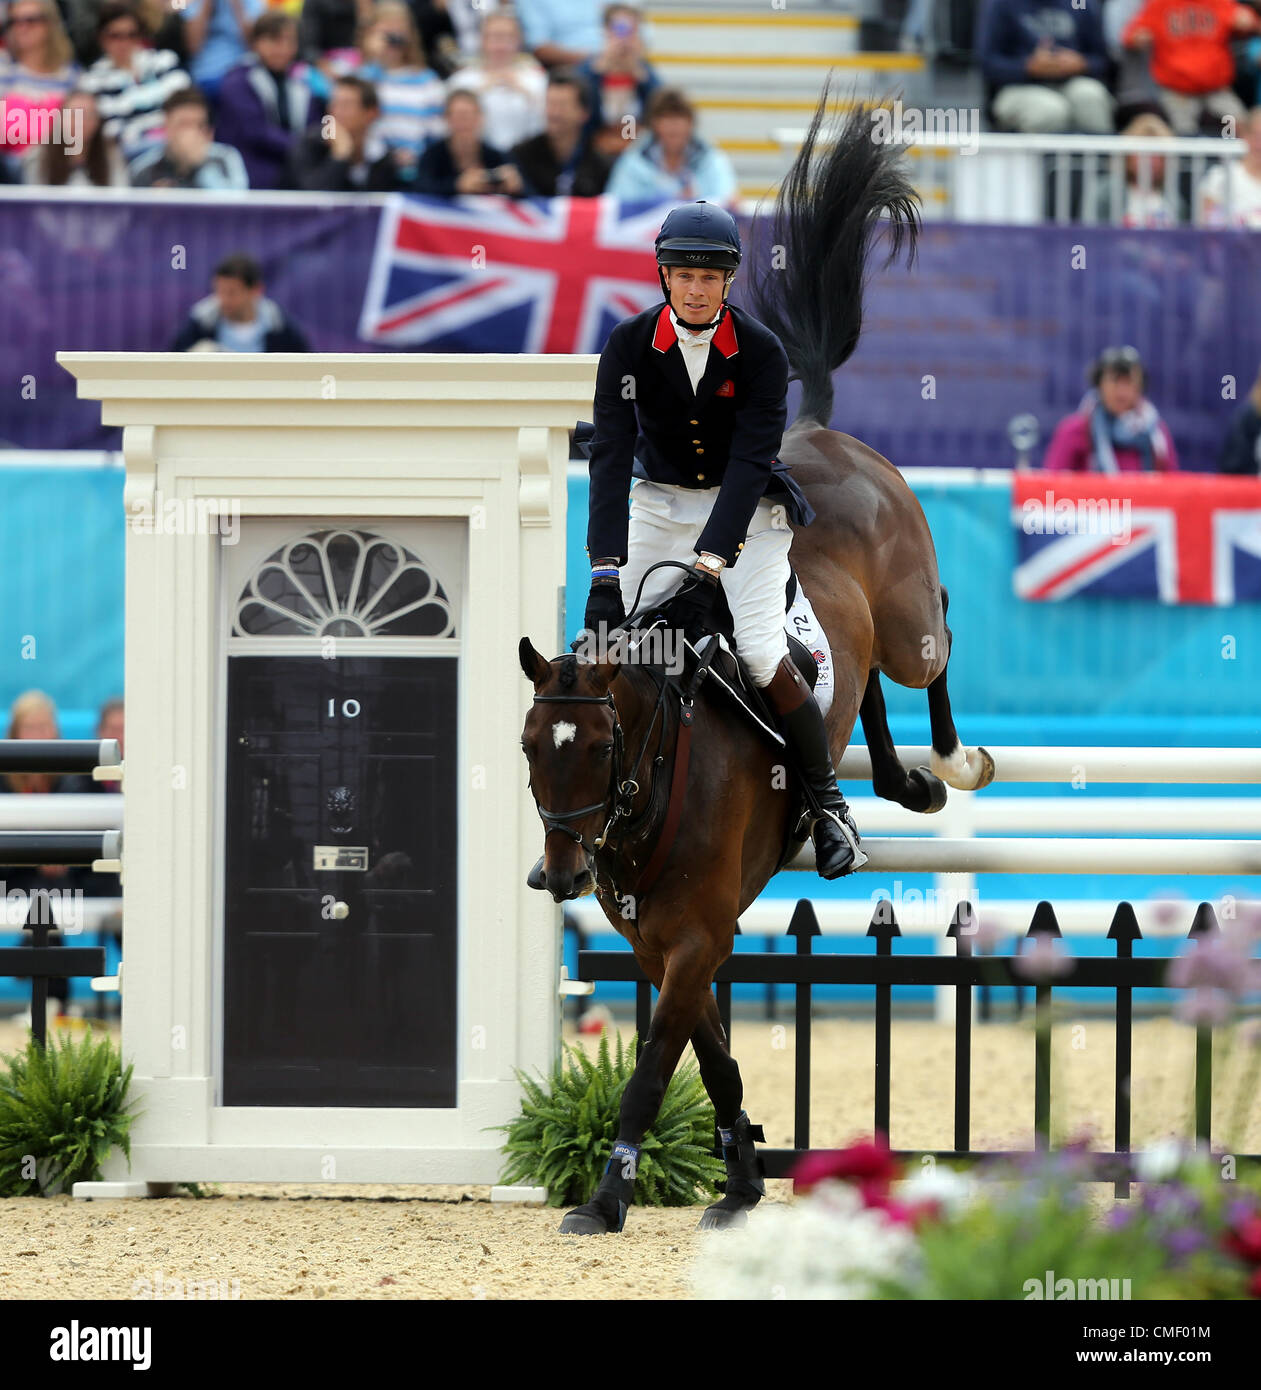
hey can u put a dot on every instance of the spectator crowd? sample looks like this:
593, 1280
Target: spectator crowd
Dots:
442, 97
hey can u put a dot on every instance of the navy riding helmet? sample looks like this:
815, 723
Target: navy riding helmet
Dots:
702, 235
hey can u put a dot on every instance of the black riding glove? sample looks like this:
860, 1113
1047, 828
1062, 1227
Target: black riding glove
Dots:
690, 606
604, 604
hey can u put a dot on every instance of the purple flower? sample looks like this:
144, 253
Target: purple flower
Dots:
1042, 961
1222, 961
1183, 1241
1240, 1209
1204, 1007
1121, 1217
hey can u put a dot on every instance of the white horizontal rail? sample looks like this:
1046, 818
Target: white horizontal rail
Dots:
62, 811
72, 914
922, 914
1003, 856
1074, 814
1209, 766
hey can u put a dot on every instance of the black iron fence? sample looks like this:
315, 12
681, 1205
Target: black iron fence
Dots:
965, 971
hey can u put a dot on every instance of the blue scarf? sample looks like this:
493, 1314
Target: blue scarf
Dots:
1137, 429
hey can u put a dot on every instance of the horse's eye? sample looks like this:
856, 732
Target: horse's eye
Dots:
604, 750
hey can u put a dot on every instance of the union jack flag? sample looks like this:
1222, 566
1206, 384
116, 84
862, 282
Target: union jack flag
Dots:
496, 274
1180, 538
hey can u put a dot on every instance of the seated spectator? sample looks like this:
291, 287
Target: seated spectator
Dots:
561, 161
672, 161
91, 159
1191, 59
33, 715
1149, 197
619, 82
131, 82
355, 157
36, 72
1116, 429
561, 33
1230, 193
511, 85
235, 317
189, 158
328, 32
218, 36
1241, 453
1047, 62
409, 91
265, 103
463, 162
162, 20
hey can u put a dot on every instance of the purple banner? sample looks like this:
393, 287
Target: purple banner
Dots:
994, 322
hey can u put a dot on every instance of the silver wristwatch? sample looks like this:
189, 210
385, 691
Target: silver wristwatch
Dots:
711, 564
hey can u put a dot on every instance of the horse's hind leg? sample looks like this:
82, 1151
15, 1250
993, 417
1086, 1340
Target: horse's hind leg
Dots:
917, 790
721, 1076
968, 769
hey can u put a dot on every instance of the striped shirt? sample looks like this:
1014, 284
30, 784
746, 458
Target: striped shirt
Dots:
411, 106
130, 99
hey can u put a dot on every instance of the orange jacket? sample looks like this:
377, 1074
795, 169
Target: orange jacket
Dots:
1191, 42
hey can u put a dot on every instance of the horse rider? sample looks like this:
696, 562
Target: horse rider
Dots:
691, 400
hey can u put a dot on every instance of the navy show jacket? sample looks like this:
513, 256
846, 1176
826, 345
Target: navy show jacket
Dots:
649, 423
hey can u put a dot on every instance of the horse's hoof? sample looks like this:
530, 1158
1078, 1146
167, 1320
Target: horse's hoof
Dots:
931, 789
589, 1220
987, 771
723, 1219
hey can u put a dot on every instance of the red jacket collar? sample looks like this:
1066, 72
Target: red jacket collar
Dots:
724, 339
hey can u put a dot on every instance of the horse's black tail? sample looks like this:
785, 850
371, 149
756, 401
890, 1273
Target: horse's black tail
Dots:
809, 286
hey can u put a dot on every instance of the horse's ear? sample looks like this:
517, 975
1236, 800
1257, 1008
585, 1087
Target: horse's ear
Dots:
533, 663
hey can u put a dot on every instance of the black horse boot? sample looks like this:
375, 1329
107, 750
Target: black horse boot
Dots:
605, 1213
837, 848
745, 1187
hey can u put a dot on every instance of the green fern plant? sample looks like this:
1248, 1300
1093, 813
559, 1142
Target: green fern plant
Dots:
63, 1107
568, 1124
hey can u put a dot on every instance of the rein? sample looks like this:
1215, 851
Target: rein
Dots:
623, 790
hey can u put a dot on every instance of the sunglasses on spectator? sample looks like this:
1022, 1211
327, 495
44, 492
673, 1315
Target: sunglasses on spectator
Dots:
395, 40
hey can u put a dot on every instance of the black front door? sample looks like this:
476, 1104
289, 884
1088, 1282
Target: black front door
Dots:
340, 899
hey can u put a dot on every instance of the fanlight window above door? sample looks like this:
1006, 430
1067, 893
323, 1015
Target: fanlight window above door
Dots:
343, 583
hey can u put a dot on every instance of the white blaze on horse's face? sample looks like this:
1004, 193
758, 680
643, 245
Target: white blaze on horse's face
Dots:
563, 732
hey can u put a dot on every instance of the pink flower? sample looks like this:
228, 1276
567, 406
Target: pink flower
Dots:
868, 1163
1204, 1007
1221, 961
1244, 1242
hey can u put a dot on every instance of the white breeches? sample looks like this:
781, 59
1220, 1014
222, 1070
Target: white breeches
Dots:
665, 524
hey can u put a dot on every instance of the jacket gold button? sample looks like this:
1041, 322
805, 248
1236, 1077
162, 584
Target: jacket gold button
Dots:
696, 441
700, 477
693, 422
740, 546
700, 451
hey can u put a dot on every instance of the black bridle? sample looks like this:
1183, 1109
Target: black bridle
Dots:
622, 790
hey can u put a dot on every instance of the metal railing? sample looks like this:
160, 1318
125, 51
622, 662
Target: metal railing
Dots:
1025, 179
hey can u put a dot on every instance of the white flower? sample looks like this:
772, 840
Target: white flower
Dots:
1161, 1162
952, 1190
824, 1246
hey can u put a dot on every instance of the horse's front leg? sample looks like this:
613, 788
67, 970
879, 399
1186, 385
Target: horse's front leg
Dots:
721, 1075
684, 990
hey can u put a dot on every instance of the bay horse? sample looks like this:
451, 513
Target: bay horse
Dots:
597, 729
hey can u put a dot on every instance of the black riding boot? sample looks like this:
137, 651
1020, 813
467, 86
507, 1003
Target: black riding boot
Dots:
605, 1213
837, 848
745, 1187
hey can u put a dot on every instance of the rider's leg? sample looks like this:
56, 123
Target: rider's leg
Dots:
754, 588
